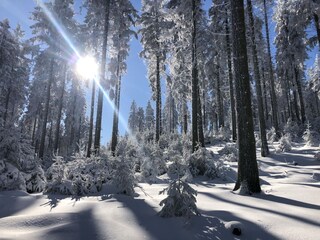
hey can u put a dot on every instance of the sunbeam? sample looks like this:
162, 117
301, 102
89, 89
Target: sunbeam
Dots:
81, 60
58, 26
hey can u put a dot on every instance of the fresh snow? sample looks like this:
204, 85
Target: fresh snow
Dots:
288, 208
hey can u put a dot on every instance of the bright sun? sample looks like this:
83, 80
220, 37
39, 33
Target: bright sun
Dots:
87, 67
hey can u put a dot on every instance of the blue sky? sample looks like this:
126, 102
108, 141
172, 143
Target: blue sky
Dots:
135, 85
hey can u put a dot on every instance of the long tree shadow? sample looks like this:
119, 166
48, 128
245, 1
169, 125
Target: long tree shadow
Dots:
171, 228
12, 202
54, 199
80, 226
250, 229
269, 210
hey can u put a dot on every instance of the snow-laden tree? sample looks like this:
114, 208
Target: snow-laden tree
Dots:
170, 114
124, 16
14, 74
132, 119
49, 40
189, 21
149, 117
153, 26
291, 19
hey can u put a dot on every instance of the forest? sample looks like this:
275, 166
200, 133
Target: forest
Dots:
227, 146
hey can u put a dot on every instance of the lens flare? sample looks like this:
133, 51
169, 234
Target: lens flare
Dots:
87, 67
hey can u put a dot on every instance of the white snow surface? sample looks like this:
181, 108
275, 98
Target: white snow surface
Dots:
287, 208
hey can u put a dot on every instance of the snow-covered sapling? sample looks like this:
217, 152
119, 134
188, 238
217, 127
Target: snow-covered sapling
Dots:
123, 177
181, 200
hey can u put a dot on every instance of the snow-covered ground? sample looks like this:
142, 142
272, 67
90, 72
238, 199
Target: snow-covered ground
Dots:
288, 208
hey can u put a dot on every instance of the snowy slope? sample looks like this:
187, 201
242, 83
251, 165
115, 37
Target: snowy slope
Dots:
288, 208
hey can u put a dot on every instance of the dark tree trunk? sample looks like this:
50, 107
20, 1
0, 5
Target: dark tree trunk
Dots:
231, 87
185, 117
274, 104
194, 76
158, 101
46, 111
248, 175
97, 136
300, 94
115, 126
219, 99
200, 123
265, 95
262, 124
93, 96
57, 133
316, 21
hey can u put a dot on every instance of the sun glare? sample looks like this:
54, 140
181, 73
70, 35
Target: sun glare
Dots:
87, 67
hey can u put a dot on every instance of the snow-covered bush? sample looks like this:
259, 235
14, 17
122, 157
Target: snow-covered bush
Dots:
11, 178
291, 128
309, 136
80, 176
197, 162
19, 168
272, 135
284, 144
203, 162
123, 176
153, 163
229, 153
181, 200
215, 168
177, 165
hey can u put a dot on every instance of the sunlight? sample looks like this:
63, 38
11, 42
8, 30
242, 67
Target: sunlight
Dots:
87, 67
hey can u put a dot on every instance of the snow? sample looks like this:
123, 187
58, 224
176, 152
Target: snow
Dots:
288, 208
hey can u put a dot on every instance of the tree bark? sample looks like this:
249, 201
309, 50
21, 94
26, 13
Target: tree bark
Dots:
262, 123
248, 175
219, 99
97, 136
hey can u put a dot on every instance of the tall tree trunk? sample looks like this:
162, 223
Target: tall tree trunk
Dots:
185, 117
57, 133
262, 123
316, 21
219, 99
248, 174
265, 97
194, 75
158, 101
231, 88
274, 103
97, 136
200, 123
46, 111
300, 94
115, 130
93, 96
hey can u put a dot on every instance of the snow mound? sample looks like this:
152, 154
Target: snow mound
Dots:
235, 227
316, 176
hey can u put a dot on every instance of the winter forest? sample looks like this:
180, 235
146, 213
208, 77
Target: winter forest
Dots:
226, 146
